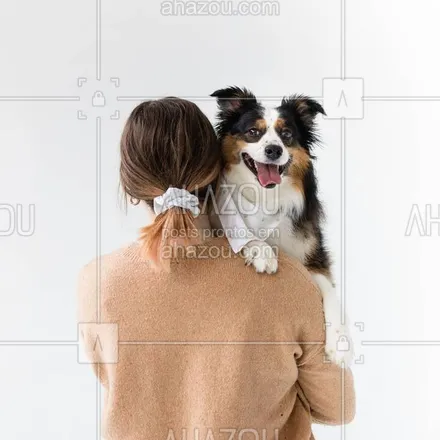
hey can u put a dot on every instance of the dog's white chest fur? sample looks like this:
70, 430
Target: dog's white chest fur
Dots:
269, 213
261, 223
273, 225
291, 241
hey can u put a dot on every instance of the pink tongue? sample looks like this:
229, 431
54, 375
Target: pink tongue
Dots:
268, 174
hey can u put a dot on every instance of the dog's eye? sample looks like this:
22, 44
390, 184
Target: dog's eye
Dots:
287, 134
254, 132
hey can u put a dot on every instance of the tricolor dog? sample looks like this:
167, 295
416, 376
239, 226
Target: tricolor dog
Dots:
268, 154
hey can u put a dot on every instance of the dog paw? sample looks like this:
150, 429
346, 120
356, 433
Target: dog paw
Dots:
338, 344
261, 256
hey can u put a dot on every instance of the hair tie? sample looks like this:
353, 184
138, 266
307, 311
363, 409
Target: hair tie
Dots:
175, 197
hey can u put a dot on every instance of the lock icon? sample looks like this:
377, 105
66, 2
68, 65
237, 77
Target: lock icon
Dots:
343, 344
98, 99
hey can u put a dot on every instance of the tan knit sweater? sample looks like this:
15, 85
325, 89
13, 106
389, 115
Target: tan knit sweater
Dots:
211, 350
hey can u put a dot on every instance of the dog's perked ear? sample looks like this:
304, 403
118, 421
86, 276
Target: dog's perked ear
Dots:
306, 108
232, 99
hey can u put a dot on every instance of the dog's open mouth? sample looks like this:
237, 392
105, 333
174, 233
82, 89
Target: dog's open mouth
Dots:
269, 175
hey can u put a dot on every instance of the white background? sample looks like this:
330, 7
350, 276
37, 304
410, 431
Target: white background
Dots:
48, 159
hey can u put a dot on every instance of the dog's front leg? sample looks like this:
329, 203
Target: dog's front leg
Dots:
338, 344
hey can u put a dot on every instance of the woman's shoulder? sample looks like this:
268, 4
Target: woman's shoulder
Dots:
298, 271
114, 264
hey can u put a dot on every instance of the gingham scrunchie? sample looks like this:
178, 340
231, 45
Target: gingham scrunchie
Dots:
175, 197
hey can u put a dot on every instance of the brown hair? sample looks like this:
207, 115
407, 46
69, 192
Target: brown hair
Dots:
168, 143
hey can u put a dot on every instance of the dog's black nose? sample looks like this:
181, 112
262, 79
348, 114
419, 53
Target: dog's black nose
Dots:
273, 152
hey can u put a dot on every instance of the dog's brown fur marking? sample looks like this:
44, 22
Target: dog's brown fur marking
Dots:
298, 167
279, 125
261, 125
316, 261
232, 145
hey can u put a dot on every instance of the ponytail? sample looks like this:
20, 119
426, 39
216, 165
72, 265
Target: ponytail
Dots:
173, 227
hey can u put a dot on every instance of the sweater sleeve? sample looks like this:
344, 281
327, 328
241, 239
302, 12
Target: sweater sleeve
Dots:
325, 388
328, 389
